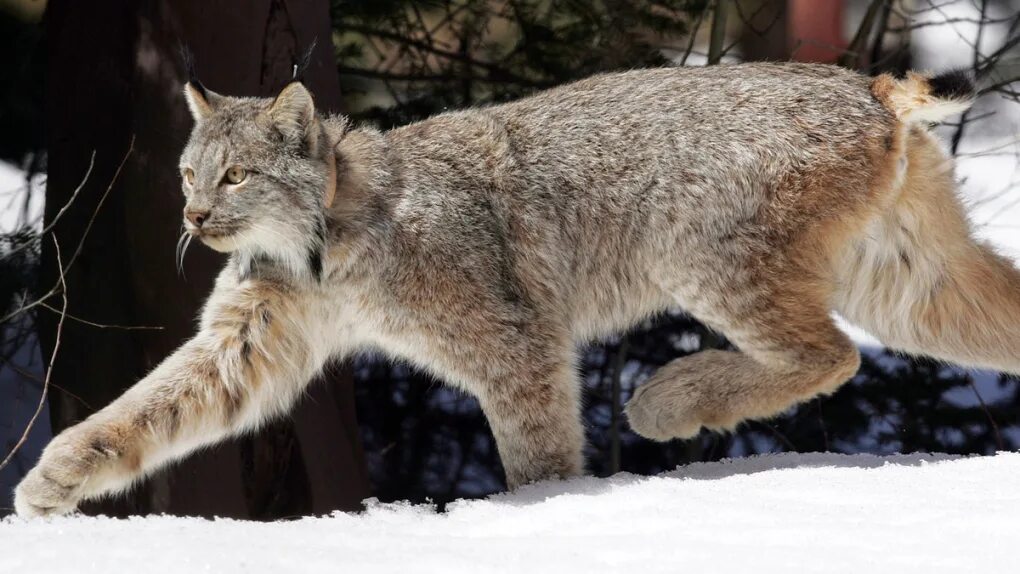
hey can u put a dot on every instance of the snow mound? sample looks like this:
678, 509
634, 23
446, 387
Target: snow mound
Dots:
779, 513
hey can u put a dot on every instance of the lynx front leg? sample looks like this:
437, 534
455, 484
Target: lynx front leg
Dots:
536, 420
246, 364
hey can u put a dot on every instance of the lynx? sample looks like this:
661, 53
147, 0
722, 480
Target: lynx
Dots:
486, 245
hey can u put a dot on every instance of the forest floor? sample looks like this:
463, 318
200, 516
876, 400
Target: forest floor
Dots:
777, 513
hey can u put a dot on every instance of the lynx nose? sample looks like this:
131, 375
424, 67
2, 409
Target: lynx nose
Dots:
196, 216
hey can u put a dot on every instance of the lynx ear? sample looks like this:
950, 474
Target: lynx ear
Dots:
201, 101
293, 113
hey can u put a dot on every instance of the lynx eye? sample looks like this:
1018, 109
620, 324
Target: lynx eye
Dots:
189, 176
235, 175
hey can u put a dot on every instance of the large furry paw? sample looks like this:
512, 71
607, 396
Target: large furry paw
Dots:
655, 415
57, 483
676, 402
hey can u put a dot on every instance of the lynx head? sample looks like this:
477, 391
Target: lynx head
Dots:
258, 175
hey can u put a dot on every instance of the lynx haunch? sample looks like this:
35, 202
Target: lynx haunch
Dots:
486, 245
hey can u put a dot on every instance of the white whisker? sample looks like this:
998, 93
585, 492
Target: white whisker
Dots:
182, 248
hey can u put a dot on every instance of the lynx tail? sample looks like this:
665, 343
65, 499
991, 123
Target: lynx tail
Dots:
923, 99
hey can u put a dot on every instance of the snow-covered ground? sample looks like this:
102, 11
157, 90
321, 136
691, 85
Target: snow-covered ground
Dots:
780, 513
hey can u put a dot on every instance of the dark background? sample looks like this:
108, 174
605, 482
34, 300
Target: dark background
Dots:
104, 78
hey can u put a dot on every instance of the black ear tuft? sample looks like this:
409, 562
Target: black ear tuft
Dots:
188, 58
301, 65
952, 85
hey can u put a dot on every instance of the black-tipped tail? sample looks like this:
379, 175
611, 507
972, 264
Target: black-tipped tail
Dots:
952, 85
923, 99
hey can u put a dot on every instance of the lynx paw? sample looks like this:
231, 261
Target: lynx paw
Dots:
656, 413
58, 481
682, 397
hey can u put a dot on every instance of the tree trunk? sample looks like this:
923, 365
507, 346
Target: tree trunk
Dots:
815, 30
114, 73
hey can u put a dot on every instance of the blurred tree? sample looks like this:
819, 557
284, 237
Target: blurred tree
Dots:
440, 54
815, 30
21, 91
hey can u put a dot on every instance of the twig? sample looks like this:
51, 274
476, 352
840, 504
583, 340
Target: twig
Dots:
917, 25
694, 36
748, 20
49, 369
909, 14
998, 86
619, 360
991, 420
821, 422
81, 242
102, 325
851, 58
494, 70
63, 209
718, 32
375, 74
883, 27
768, 27
775, 432
964, 117
33, 377
955, 30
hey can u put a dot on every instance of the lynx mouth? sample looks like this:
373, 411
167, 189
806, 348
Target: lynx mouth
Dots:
210, 232
219, 239
201, 234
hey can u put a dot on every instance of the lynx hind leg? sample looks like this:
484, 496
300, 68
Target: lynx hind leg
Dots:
790, 351
922, 284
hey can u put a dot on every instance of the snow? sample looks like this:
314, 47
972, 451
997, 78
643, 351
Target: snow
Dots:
778, 513
12, 199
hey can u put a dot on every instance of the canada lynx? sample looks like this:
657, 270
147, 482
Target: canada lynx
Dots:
485, 245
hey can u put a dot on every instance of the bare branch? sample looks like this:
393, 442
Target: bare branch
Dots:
964, 118
693, 36
63, 209
33, 377
718, 32
991, 420
49, 369
81, 242
851, 58
495, 71
102, 325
